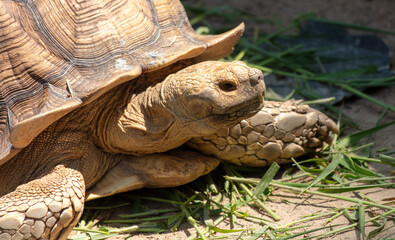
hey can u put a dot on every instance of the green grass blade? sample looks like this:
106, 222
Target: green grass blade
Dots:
353, 26
92, 236
387, 159
293, 236
318, 101
108, 207
259, 202
328, 170
349, 73
259, 233
353, 188
361, 219
376, 231
351, 139
363, 95
148, 213
355, 168
266, 179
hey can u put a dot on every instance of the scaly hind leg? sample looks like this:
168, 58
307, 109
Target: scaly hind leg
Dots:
45, 208
169, 169
278, 132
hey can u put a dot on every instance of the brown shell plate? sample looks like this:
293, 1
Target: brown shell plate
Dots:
56, 55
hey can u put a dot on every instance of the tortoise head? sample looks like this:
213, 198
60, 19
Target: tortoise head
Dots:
212, 95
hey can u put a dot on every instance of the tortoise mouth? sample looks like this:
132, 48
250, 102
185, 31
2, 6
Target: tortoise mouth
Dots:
237, 113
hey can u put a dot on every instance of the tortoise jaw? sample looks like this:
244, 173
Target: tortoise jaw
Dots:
236, 114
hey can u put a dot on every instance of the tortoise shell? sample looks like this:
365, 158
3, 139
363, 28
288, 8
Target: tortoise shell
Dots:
58, 55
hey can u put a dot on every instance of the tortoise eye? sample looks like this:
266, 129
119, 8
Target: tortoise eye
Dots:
227, 86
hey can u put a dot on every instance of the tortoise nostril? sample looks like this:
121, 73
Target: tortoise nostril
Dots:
227, 86
255, 79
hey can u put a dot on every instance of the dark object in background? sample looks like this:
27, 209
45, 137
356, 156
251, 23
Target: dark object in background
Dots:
341, 50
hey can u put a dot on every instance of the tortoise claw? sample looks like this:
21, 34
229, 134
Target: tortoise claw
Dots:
332, 126
328, 125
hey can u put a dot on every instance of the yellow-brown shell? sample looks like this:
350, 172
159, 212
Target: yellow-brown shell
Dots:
57, 55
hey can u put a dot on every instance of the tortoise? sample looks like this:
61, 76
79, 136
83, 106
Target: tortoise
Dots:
100, 97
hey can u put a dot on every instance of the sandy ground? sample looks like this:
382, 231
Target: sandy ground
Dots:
373, 13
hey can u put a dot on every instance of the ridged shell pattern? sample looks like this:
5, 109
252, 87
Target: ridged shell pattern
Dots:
56, 55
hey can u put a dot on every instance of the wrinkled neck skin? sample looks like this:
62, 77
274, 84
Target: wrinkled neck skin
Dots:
145, 125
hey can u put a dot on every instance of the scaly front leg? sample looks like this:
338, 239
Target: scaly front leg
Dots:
277, 133
45, 208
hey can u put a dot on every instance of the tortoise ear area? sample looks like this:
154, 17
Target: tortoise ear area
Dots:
199, 109
200, 104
